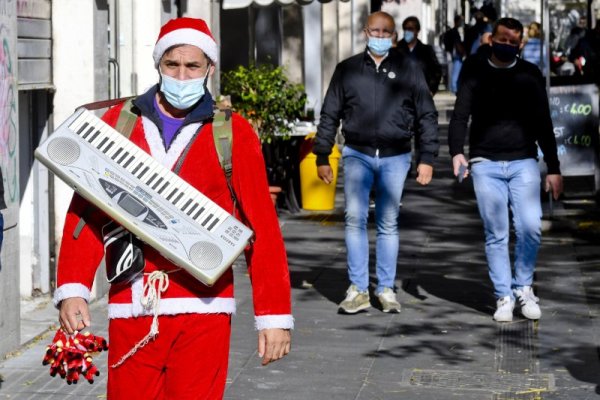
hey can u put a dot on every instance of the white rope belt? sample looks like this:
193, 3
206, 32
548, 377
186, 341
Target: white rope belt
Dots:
157, 283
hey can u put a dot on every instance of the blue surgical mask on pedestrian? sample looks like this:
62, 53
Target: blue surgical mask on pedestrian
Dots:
409, 36
182, 94
379, 46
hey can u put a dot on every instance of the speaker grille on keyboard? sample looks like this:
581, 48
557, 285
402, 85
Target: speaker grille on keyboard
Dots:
63, 151
206, 255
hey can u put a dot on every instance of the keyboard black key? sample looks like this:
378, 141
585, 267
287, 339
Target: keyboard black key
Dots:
187, 203
108, 147
128, 161
172, 193
152, 178
200, 211
123, 157
162, 189
178, 198
191, 210
143, 172
157, 183
119, 150
82, 128
137, 167
216, 221
102, 143
206, 220
94, 136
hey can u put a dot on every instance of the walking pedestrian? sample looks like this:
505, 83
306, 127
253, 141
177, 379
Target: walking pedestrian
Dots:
380, 96
508, 105
188, 358
2, 207
422, 53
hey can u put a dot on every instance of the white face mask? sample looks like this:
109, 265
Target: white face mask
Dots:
182, 94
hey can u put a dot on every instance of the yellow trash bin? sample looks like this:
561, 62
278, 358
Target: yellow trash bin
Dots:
316, 195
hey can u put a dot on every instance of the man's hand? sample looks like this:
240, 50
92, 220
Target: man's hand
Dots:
424, 174
458, 161
273, 344
554, 182
325, 173
74, 314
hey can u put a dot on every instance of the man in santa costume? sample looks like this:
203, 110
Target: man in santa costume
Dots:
169, 333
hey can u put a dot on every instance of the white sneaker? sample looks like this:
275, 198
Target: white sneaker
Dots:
529, 303
355, 301
388, 301
504, 309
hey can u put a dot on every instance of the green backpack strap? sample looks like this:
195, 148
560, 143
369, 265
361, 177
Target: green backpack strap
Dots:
125, 124
127, 119
223, 137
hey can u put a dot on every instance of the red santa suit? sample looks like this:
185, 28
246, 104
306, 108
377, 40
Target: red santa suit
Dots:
194, 319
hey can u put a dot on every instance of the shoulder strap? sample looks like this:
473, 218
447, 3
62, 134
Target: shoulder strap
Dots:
127, 119
223, 137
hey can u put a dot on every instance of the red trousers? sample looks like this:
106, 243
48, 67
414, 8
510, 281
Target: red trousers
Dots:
187, 360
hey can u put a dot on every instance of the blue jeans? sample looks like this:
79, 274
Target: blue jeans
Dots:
456, 67
498, 185
388, 174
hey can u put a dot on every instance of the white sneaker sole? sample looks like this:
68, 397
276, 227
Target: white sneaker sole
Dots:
343, 310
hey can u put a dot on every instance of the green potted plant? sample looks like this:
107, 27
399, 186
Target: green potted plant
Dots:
266, 97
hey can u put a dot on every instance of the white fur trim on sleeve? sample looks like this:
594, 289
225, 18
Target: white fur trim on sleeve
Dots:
284, 321
71, 290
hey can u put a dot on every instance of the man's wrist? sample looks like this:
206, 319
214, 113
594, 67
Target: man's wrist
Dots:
322, 159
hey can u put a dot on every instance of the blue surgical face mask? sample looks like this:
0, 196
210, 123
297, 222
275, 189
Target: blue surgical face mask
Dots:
379, 46
182, 94
409, 36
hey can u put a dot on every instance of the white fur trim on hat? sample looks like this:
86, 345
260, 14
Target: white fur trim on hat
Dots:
189, 36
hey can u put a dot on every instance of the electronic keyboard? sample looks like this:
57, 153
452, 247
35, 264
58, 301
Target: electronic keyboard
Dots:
145, 197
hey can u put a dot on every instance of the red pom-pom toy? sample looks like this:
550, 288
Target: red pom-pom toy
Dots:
69, 355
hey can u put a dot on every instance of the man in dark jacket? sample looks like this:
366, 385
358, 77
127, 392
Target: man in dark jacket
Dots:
508, 105
379, 95
422, 53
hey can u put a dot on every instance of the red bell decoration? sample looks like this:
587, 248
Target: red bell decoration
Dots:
70, 356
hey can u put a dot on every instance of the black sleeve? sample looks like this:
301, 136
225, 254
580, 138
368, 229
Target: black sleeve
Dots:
434, 73
457, 131
331, 113
544, 126
426, 116
2, 203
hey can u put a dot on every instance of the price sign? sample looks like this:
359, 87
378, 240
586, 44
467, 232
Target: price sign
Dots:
574, 111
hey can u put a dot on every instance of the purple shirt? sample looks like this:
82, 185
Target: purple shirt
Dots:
170, 125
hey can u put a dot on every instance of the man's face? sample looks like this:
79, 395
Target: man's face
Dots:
379, 26
185, 62
507, 36
411, 27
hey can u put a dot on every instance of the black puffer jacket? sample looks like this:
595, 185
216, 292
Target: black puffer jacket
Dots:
380, 108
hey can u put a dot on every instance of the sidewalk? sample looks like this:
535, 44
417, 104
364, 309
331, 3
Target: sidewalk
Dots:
443, 345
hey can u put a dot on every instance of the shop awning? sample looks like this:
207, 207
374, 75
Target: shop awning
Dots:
231, 4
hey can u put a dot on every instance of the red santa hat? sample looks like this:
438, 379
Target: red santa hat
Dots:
190, 31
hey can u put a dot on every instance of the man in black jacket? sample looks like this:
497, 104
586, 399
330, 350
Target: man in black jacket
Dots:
422, 53
508, 105
379, 95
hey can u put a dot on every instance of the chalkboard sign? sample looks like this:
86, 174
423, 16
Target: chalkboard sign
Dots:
574, 111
